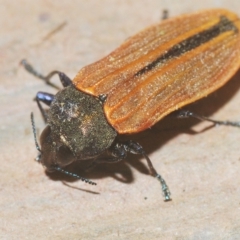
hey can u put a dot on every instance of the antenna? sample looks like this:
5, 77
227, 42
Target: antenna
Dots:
34, 133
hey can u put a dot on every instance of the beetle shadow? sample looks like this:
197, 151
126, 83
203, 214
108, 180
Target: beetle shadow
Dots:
80, 189
119, 171
152, 139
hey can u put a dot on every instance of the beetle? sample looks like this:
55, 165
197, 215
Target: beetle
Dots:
152, 74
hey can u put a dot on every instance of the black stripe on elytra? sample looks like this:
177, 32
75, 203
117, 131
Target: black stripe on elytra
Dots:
191, 43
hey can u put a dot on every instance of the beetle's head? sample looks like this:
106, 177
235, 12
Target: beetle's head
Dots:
53, 155
52, 152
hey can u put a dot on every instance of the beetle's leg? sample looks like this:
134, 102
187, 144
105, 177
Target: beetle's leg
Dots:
119, 152
65, 80
136, 148
187, 114
115, 154
46, 98
165, 14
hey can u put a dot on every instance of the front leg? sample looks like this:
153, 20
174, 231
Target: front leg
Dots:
43, 97
118, 152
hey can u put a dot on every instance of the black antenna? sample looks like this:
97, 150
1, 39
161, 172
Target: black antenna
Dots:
34, 133
73, 175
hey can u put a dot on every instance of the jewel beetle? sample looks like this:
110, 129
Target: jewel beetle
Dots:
152, 74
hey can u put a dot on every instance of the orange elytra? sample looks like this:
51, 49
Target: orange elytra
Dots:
164, 67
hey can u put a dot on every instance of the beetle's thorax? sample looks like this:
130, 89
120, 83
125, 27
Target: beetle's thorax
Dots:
77, 121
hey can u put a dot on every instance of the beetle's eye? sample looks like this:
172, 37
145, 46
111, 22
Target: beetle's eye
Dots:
46, 136
64, 156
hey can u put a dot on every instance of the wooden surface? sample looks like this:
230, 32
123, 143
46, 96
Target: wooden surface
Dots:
200, 163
